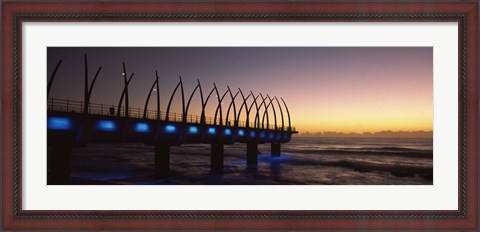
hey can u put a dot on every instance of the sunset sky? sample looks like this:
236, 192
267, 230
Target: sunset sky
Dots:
348, 89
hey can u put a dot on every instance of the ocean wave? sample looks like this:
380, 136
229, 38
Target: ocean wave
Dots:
398, 170
369, 151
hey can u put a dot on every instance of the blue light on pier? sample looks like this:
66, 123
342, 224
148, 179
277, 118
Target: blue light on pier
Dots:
241, 132
170, 129
141, 127
59, 123
211, 130
252, 133
262, 134
193, 130
272, 135
228, 131
106, 125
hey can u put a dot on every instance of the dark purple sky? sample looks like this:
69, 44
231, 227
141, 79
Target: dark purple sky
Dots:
340, 89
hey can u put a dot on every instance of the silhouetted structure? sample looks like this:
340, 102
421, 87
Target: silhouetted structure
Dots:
73, 124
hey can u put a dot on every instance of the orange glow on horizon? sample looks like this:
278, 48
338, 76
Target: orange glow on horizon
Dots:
351, 120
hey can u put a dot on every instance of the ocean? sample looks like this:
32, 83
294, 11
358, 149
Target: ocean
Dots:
303, 161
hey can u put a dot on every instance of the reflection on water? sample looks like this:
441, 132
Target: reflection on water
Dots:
304, 161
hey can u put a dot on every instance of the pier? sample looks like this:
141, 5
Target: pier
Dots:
73, 124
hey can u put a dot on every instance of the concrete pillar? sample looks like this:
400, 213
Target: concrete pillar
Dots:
216, 157
162, 160
60, 163
252, 155
275, 149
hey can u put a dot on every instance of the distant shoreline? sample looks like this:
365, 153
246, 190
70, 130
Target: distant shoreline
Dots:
356, 137
380, 134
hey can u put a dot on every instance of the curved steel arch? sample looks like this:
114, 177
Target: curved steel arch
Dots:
266, 113
190, 99
125, 90
88, 90
89, 94
257, 116
180, 83
232, 103
52, 77
220, 108
281, 112
241, 107
148, 98
123, 93
289, 122
204, 105
250, 108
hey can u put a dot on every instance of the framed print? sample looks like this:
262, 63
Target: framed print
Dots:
229, 115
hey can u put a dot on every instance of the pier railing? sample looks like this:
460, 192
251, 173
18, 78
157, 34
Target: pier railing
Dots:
63, 105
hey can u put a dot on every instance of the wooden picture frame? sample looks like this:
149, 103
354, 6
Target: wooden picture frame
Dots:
465, 13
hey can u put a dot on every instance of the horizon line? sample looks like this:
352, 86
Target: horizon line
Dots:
384, 133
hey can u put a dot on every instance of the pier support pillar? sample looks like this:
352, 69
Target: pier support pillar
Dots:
61, 162
162, 160
216, 157
275, 149
252, 155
